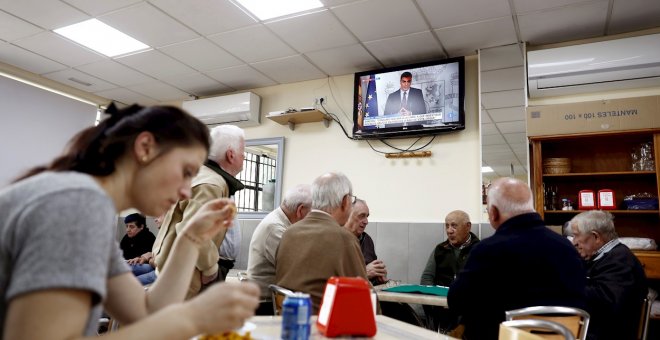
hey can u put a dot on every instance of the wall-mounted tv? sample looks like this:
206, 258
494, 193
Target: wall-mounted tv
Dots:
410, 100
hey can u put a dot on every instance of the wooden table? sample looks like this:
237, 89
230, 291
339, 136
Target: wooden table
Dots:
270, 327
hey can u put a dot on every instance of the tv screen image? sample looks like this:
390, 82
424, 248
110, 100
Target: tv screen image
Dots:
410, 100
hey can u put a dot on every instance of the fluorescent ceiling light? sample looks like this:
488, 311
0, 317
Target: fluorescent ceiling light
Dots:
562, 63
268, 9
486, 169
101, 38
50, 89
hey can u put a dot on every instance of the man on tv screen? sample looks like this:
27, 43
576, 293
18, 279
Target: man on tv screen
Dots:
407, 100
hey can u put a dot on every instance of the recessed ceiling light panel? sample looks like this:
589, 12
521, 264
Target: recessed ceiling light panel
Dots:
268, 9
101, 38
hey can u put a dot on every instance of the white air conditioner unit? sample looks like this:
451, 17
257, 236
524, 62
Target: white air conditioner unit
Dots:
589, 68
241, 109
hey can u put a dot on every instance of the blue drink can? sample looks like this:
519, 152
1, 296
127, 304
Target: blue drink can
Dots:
296, 311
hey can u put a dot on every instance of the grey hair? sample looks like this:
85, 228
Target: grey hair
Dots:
359, 200
329, 189
300, 194
508, 202
599, 221
224, 138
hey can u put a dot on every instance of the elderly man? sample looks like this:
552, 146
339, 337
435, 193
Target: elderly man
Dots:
317, 247
215, 179
357, 223
444, 263
296, 204
616, 284
523, 264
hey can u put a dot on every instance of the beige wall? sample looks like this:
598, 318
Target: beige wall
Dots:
410, 190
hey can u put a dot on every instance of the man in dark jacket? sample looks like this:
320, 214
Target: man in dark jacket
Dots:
356, 224
616, 283
138, 239
523, 264
446, 260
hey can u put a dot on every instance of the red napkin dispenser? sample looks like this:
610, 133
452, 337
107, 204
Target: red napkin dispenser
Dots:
606, 199
348, 308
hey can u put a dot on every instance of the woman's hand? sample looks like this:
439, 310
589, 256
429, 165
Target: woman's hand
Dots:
224, 306
210, 219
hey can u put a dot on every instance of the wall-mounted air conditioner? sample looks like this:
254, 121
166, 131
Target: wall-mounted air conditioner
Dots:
241, 109
589, 68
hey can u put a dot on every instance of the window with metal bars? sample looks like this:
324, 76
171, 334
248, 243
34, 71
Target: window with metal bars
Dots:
258, 170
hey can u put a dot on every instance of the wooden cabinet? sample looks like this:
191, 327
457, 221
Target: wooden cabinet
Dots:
598, 161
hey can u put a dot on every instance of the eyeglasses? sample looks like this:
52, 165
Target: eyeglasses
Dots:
353, 198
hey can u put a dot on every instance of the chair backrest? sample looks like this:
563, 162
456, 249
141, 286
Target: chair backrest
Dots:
575, 319
646, 313
278, 295
525, 330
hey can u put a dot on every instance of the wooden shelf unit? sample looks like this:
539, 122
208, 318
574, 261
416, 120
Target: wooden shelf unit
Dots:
599, 161
294, 118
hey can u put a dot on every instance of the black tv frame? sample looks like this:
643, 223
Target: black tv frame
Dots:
416, 130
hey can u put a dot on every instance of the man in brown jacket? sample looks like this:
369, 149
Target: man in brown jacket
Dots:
317, 247
215, 179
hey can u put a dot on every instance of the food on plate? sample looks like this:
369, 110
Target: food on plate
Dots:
233, 210
227, 336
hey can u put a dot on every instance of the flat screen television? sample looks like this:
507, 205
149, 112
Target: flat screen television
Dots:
410, 100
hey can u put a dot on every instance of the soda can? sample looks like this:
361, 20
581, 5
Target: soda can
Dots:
296, 311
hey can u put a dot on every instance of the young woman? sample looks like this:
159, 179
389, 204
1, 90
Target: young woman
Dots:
59, 262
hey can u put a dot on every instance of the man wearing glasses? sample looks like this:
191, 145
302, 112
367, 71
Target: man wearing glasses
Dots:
317, 247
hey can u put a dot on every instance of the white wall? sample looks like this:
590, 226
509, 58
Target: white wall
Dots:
410, 190
36, 125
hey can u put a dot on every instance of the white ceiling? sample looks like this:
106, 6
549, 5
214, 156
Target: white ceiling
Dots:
209, 47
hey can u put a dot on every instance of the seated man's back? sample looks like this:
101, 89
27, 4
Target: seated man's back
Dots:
317, 247
523, 264
312, 251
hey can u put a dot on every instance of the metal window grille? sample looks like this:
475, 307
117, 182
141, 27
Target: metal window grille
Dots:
257, 171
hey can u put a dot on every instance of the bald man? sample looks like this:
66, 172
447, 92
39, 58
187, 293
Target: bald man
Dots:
444, 263
523, 264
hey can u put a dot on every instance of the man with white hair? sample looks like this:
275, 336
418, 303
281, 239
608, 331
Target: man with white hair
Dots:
616, 283
523, 264
317, 247
266, 238
356, 224
215, 179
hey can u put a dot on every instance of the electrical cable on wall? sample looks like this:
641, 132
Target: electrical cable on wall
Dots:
400, 151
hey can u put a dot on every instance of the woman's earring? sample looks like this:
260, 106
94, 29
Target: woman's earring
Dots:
145, 159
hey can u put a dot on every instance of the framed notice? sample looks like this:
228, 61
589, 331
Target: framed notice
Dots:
606, 199
586, 200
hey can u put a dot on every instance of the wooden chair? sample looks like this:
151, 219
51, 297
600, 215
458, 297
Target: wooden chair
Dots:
534, 329
278, 295
575, 319
646, 314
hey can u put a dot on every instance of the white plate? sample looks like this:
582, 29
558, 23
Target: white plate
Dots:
247, 327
